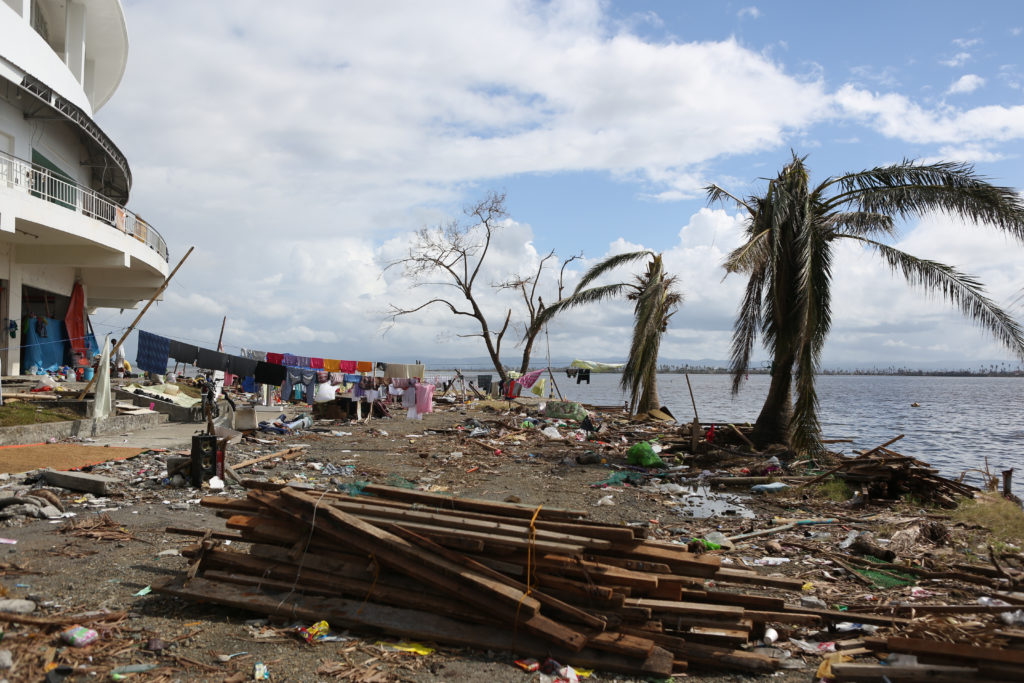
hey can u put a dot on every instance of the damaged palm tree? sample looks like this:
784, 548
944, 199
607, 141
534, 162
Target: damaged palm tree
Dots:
791, 230
655, 298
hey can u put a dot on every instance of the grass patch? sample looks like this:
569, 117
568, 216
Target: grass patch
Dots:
834, 489
15, 413
1003, 518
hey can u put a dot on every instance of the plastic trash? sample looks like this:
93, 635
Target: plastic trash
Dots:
17, 606
565, 410
769, 488
719, 539
216, 483
551, 433
770, 636
771, 561
314, 633
605, 500
301, 422
850, 538
642, 454
260, 672
79, 636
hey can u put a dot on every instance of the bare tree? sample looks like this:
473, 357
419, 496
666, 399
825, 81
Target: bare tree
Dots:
451, 255
527, 287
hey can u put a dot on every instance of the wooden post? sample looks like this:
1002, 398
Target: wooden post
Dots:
135, 322
1008, 483
696, 418
555, 384
220, 339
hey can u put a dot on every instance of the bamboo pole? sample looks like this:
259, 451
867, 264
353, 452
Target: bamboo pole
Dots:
135, 322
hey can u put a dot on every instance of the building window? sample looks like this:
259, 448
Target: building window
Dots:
39, 21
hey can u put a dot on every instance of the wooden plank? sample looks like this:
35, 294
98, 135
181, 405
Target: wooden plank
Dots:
853, 671
413, 624
79, 481
727, 637
520, 531
286, 454
622, 643
405, 558
744, 576
834, 616
711, 657
687, 608
920, 646
598, 572
765, 616
567, 611
443, 501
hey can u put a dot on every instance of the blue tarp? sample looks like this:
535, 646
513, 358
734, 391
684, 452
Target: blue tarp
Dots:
45, 353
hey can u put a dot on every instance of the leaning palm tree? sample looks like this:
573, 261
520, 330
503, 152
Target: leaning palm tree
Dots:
790, 233
655, 300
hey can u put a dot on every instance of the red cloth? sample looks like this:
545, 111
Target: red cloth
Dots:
348, 366
316, 363
275, 358
75, 320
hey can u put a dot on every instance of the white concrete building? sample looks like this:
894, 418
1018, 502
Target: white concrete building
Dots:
64, 183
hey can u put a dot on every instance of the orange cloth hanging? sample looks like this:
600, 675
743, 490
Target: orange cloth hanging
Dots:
332, 365
364, 366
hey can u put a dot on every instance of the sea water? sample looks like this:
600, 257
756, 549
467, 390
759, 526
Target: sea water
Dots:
960, 423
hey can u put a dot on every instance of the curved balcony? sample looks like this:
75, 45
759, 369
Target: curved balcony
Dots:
18, 174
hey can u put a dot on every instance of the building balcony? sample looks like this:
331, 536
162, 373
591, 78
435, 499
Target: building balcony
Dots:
46, 185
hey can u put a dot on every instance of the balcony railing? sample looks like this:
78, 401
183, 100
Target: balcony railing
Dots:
41, 182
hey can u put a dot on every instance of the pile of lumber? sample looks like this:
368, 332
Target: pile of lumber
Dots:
933, 660
500, 576
883, 474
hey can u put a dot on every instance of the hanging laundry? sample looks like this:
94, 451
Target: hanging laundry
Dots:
347, 365
529, 378
303, 361
212, 360
152, 353
238, 365
332, 365
364, 366
249, 385
539, 387
184, 353
316, 363
270, 373
254, 354
405, 371
337, 378
289, 360
275, 358
305, 378
424, 398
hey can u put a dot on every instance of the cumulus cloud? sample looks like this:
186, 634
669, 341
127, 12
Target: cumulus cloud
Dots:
897, 116
965, 84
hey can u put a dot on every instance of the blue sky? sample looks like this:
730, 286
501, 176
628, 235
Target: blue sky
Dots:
299, 148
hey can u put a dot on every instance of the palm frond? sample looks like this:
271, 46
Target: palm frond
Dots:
716, 194
609, 264
587, 296
744, 331
860, 223
749, 255
960, 289
910, 188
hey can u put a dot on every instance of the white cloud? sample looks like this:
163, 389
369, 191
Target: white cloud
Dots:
965, 84
966, 42
897, 116
959, 59
752, 12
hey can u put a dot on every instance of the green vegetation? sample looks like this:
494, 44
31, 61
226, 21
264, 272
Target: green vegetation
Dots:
834, 489
1004, 519
15, 413
791, 233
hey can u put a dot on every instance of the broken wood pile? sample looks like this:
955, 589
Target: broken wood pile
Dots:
884, 474
536, 581
934, 660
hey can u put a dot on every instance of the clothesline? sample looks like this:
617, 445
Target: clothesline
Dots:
154, 351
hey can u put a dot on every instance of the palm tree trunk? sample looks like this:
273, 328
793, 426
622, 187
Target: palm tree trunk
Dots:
772, 426
649, 399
